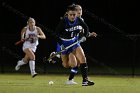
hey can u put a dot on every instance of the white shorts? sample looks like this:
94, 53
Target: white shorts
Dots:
29, 45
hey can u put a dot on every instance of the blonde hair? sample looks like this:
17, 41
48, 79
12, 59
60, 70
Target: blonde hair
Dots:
30, 18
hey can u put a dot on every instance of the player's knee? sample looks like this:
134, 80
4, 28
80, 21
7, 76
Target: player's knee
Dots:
73, 64
25, 60
32, 57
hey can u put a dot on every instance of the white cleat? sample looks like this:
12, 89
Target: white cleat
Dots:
34, 75
17, 67
71, 82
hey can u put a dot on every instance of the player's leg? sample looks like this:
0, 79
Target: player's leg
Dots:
73, 71
73, 65
83, 66
22, 62
72, 61
32, 68
65, 60
31, 56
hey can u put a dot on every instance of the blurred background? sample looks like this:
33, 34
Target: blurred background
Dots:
114, 52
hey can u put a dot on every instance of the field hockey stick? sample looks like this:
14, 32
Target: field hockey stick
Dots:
66, 48
21, 41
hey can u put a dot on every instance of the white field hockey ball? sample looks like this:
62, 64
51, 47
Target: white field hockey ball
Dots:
51, 82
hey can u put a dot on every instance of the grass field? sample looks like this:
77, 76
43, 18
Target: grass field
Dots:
23, 83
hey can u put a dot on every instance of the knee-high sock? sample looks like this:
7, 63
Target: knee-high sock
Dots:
32, 66
74, 71
84, 70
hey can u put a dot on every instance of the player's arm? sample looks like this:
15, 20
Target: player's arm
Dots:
59, 31
85, 27
92, 34
59, 28
23, 34
40, 33
86, 30
22, 37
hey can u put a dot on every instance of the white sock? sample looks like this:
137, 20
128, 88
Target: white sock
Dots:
32, 66
21, 62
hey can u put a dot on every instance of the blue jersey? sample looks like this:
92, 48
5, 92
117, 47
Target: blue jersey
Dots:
69, 31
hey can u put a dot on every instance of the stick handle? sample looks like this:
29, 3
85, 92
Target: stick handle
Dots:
19, 42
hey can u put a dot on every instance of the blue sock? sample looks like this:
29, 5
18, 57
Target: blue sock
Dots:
73, 72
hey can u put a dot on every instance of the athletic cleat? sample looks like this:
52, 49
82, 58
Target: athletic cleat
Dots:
88, 83
17, 67
35, 74
71, 82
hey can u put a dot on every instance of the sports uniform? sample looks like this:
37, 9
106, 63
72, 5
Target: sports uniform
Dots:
30, 34
32, 40
69, 32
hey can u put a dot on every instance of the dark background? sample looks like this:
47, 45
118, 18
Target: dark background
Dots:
115, 51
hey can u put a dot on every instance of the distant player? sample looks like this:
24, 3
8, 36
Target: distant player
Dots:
30, 34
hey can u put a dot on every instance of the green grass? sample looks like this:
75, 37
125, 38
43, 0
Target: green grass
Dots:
23, 83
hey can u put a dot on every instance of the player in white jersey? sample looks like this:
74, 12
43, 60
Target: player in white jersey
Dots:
30, 34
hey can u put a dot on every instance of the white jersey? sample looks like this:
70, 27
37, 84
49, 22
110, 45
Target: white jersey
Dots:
32, 40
